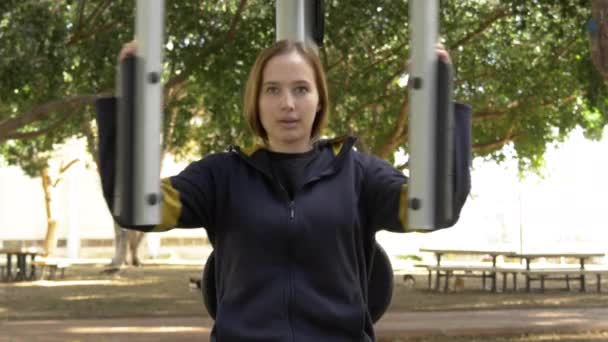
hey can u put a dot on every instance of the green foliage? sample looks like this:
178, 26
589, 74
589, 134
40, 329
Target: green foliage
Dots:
529, 74
524, 66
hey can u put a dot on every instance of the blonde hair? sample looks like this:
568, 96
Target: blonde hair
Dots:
254, 84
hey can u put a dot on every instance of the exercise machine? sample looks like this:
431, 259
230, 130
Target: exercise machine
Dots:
431, 130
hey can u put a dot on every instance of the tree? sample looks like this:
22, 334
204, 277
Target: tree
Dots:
48, 183
34, 161
598, 31
56, 70
523, 65
40, 99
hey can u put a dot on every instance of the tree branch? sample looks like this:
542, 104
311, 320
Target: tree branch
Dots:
175, 82
62, 170
235, 20
392, 53
90, 20
488, 114
10, 126
498, 14
567, 47
176, 93
91, 141
81, 7
495, 145
99, 30
400, 129
33, 134
403, 166
350, 116
179, 80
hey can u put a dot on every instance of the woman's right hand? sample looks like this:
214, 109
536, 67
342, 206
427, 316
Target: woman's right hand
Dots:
129, 49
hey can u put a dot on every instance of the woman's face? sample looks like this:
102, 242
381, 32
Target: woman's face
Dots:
288, 102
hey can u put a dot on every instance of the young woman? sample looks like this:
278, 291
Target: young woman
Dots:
292, 221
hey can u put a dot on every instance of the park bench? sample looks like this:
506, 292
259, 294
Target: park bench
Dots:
484, 269
484, 272
566, 274
562, 271
52, 265
509, 269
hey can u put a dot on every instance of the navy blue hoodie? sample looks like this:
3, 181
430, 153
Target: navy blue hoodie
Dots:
287, 269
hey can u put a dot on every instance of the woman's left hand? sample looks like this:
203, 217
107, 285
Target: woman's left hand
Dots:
442, 53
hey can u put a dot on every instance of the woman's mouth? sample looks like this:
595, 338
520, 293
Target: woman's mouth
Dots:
288, 123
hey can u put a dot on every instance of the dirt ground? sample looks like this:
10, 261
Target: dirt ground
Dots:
133, 303
163, 291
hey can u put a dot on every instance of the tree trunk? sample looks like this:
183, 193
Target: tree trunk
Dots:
598, 31
50, 240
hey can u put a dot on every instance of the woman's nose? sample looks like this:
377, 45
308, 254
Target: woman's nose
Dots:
287, 101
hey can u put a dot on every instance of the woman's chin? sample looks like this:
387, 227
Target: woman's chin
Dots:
291, 139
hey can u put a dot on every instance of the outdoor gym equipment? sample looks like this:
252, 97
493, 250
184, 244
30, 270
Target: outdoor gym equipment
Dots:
431, 142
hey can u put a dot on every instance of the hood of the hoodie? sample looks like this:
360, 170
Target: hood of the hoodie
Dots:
331, 155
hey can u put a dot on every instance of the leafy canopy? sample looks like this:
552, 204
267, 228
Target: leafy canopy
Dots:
524, 66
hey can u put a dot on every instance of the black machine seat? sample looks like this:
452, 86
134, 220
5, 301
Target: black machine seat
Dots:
380, 284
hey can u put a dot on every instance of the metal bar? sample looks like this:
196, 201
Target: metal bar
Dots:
423, 36
137, 193
300, 20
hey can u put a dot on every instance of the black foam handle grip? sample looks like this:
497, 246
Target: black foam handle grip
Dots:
318, 30
123, 206
444, 147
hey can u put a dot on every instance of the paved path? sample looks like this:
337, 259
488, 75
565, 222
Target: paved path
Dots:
406, 324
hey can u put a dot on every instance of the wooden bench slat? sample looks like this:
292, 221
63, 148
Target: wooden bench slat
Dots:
577, 271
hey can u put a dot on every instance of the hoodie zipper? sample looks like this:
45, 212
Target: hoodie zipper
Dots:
291, 214
292, 217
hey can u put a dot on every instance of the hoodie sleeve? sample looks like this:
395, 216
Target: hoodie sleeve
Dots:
385, 189
105, 109
463, 155
384, 193
186, 198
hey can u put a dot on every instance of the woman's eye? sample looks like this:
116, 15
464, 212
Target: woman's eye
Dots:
302, 90
272, 90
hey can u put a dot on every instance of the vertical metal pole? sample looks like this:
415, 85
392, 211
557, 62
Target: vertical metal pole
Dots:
423, 34
300, 20
290, 20
137, 199
149, 33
